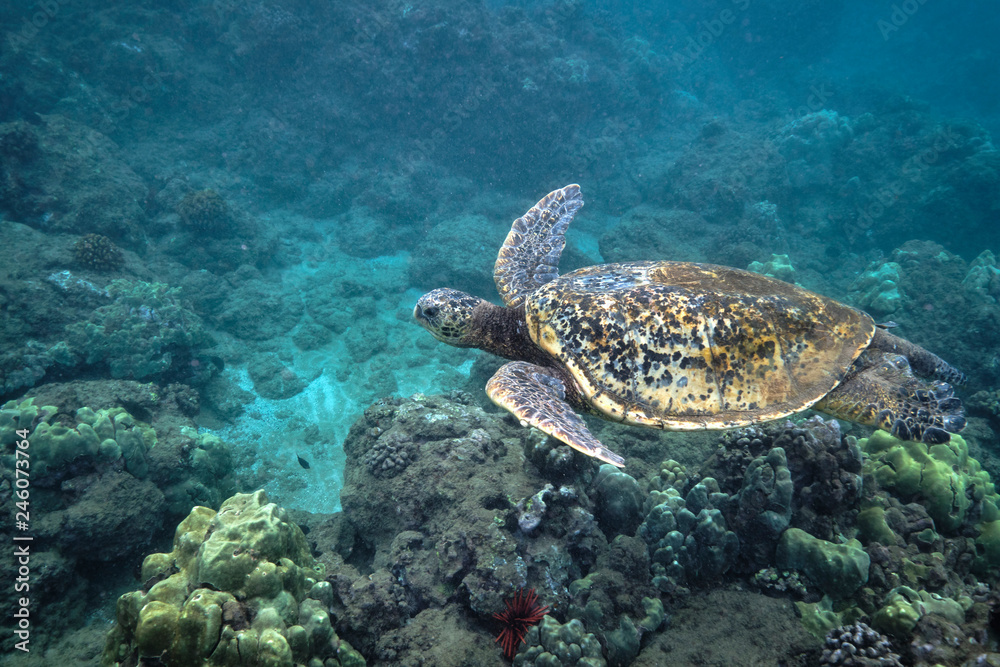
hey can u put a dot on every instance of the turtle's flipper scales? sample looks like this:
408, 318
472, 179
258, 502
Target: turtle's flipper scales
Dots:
530, 255
537, 396
889, 396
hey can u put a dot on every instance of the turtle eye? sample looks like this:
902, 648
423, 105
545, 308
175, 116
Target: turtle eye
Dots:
430, 311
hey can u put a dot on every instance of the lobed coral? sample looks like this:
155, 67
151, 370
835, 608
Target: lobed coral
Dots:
239, 588
778, 267
815, 136
983, 278
106, 434
904, 607
687, 536
617, 501
943, 477
764, 508
25, 366
809, 145
836, 569
877, 289
552, 644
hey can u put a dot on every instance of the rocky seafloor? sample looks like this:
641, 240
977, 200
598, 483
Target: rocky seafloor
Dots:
789, 543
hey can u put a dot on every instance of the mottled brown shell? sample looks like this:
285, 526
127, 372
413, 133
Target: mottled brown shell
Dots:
689, 346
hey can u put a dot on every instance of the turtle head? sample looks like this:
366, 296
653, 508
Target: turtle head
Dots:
447, 314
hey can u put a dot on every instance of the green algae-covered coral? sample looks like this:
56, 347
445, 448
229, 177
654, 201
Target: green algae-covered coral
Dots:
836, 569
943, 477
239, 588
207, 477
951, 485
551, 644
138, 333
105, 434
904, 607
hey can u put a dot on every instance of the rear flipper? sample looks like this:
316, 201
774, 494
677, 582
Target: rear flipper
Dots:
887, 395
924, 363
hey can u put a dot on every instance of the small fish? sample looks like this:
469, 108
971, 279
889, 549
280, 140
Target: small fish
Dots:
303, 462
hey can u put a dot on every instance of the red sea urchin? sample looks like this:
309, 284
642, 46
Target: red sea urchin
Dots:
522, 612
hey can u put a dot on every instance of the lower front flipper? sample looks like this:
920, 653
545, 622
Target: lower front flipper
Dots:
537, 396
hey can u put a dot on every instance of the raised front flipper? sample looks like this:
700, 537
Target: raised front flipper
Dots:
887, 395
530, 255
537, 396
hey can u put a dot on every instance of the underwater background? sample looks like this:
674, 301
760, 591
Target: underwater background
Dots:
216, 220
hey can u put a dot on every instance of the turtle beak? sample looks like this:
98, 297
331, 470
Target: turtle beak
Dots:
420, 317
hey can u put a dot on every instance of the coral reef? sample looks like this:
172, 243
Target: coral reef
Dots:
256, 310
555, 644
618, 501
877, 289
649, 232
810, 145
104, 484
836, 569
983, 278
777, 267
764, 504
274, 379
858, 645
815, 136
445, 255
25, 366
687, 536
305, 167
205, 211
950, 484
98, 252
487, 526
390, 454
239, 588
108, 435
139, 334
904, 607
61, 175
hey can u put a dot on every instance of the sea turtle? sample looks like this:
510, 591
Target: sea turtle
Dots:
680, 346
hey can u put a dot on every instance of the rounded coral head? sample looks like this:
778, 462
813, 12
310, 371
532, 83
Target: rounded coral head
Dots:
447, 314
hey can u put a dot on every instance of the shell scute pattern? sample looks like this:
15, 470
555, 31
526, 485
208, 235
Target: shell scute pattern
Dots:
686, 346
